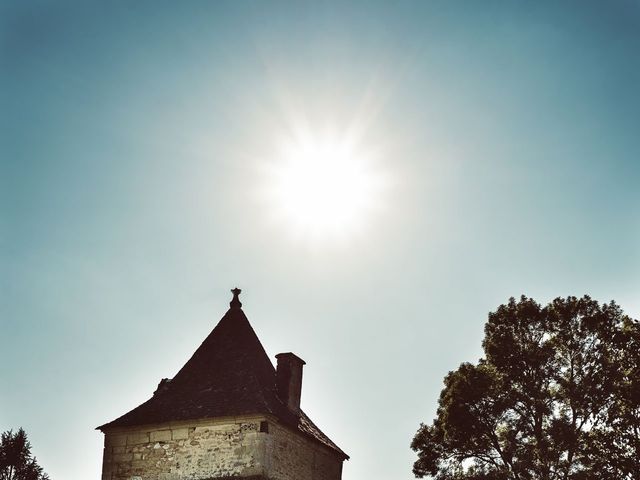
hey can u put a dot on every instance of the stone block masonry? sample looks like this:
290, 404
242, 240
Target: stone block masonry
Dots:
217, 449
290, 456
197, 452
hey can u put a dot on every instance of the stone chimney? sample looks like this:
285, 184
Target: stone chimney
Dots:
289, 380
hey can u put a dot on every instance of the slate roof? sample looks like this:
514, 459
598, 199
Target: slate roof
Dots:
230, 374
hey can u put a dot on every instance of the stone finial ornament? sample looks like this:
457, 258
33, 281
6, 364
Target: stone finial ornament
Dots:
235, 301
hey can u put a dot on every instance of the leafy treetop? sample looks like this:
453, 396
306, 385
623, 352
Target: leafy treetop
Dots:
556, 397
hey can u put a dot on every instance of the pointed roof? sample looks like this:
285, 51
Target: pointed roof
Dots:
230, 374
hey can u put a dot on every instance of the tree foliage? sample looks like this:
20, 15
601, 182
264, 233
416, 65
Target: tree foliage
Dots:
556, 397
16, 461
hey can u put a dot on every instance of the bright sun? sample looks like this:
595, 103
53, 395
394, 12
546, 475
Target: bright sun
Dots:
324, 188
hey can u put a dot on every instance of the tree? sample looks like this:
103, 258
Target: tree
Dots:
556, 397
16, 462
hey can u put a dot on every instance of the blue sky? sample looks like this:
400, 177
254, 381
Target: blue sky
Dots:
132, 144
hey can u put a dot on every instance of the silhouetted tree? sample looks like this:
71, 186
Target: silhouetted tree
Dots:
556, 397
16, 462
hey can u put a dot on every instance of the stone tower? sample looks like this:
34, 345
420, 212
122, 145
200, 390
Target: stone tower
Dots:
226, 414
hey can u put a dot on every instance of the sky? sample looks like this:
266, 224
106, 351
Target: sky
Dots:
138, 143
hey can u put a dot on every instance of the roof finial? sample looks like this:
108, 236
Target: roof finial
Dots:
235, 301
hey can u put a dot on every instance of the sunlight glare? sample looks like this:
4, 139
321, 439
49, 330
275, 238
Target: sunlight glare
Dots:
324, 187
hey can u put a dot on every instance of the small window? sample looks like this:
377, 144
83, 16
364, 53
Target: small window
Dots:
264, 427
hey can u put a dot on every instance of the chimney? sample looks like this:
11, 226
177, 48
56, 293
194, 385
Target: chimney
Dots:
289, 380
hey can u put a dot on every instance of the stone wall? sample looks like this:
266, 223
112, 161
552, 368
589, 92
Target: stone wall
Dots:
217, 449
291, 456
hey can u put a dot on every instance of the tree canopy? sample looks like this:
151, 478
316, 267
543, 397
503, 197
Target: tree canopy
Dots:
16, 461
556, 396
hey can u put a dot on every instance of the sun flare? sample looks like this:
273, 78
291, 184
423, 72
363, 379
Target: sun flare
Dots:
324, 187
